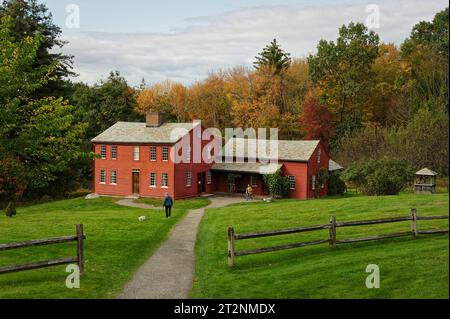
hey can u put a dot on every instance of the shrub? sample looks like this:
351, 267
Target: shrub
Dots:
11, 209
321, 180
278, 184
379, 177
336, 186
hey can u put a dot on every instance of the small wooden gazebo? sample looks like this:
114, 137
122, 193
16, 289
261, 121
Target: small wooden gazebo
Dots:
425, 181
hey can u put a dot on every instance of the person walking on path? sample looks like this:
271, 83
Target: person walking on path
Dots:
249, 193
167, 204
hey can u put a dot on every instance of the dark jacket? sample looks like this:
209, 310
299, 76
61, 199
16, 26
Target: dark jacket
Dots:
168, 201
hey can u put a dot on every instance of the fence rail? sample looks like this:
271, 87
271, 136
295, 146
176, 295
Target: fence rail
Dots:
331, 240
79, 259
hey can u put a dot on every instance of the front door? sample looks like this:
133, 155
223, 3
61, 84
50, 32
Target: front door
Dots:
135, 182
201, 187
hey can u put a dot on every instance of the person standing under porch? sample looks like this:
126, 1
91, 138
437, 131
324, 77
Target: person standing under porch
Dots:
167, 204
249, 193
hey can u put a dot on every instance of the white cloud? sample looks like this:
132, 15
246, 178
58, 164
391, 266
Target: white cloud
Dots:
233, 38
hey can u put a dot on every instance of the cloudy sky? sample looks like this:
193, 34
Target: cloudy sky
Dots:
183, 40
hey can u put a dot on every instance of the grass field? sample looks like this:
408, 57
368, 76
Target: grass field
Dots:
116, 245
409, 268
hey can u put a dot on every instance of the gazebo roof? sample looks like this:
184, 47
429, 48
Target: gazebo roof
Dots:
426, 172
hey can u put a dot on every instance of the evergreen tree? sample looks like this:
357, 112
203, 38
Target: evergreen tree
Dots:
30, 18
273, 56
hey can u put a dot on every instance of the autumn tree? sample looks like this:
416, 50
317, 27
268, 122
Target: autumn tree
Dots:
209, 101
342, 70
387, 105
315, 120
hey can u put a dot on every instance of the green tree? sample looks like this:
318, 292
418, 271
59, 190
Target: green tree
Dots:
272, 56
423, 142
105, 103
30, 18
336, 186
426, 52
379, 177
39, 137
342, 70
278, 184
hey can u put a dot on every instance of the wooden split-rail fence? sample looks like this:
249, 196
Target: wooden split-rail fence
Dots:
332, 240
78, 259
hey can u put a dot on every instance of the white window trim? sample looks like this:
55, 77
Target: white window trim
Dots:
318, 156
114, 146
252, 177
138, 153
292, 177
156, 181
110, 175
103, 147
163, 153
188, 179
167, 180
313, 182
104, 177
156, 156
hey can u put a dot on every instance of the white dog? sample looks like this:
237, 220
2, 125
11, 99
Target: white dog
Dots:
142, 218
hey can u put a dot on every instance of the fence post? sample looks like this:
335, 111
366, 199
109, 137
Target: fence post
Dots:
333, 231
414, 221
80, 247
230, 246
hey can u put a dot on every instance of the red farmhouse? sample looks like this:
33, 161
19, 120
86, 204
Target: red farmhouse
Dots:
135, 160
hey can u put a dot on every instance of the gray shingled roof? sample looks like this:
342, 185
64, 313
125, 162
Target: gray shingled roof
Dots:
135, 132
333, 166
426, 172
298, 151
258, 168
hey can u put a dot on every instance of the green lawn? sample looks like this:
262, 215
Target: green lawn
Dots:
116, 245
409, 268
191, 203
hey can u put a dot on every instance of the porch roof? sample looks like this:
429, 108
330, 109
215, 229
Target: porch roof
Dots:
256, 168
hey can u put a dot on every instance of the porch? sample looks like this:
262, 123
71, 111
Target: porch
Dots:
234, 178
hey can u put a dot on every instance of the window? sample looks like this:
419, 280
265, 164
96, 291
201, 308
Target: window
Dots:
102, 176
209, 177
165, 153
292, 182
103, 151
164, 180
136, 153
318, 156
152, 179
153, 153
208, 152
313, 182
113, 177
254, 180
188, 179
114, 152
